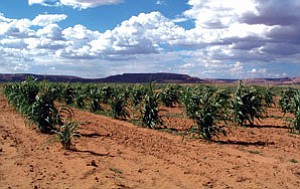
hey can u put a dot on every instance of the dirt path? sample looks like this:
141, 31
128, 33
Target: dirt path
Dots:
116, 154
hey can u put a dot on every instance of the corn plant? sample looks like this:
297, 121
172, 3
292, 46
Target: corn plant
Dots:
269, 97
170, 96
106, 93
80, 100
94, 96
68, 94
44, 114
150, 111
34, 103
119, 106
137, 94
65, 134
79, 97
286, 101
30, 90
22, 95
211, 110
290, 103
296, 120
190, 100
247, 105
208, 107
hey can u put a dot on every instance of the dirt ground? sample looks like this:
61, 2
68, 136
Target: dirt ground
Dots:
117, 154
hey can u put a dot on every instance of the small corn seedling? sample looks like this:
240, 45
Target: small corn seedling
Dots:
66, 131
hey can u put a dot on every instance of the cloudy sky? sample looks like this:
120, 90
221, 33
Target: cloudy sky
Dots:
203, 38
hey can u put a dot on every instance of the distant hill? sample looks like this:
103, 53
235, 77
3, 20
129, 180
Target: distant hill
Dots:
124, 78
146, 77
52, 78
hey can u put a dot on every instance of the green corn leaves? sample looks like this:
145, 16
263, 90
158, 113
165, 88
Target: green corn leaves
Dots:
247, 104
150, 111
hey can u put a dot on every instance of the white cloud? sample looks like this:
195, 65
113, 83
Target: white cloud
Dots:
18, 28
160, 2
237, 68
263, 73
37, 45
140, 34
80, 32
83, 4
4, 19
79, 39
13, 43
215, 14
46, 19
51, 31
228, 37
76, 4
31, 2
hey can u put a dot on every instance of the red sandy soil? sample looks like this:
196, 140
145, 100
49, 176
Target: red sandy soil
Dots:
117, 154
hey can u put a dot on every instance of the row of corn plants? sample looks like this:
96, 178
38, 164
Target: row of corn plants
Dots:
208, 106
290, 103
35, 102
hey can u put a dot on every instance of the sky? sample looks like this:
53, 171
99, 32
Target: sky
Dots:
203, 38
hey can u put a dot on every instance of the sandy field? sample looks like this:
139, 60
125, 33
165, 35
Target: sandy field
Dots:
117, 154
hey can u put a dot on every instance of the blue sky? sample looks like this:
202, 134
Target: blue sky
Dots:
203, 38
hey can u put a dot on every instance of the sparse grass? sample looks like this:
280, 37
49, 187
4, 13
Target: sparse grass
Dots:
251, 151
116, 170
254, 152
294, 160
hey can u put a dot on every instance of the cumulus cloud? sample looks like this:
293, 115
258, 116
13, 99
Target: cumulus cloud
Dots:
233, 35
142, 34
274, 12
16, 28
77, 4
46, 19
13, 43
51, 31
244, 31
79, 38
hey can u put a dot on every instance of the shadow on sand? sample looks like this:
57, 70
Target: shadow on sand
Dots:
245, 143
